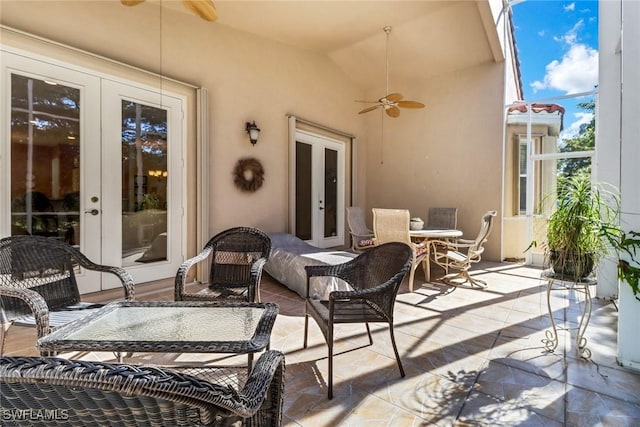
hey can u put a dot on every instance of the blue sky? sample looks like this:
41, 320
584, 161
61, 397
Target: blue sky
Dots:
557, 44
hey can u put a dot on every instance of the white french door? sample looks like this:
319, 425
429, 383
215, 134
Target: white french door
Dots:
142, 136
67, 135
319, 190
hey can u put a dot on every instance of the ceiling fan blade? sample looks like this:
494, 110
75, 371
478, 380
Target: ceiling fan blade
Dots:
393, 97
366, 102
410, 104
203, 8
366, 110
131, 2
393, 111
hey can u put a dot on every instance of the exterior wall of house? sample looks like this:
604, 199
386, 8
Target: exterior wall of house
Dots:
449, 154
446, 155
618, 150
516, 240
247, 77
608, 128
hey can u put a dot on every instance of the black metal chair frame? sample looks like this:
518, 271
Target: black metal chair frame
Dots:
375, 277
38, 276
237, 258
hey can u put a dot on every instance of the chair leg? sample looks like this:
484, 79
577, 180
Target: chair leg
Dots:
466, 278
369, 333
426, 266
3, 332
330, 361
306, 329
411, 274
395, 350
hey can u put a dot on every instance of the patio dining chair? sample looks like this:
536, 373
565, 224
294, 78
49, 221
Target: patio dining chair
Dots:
392, 225
361, 235
374, 278
442, 218
237, 256
462, 254
38, 284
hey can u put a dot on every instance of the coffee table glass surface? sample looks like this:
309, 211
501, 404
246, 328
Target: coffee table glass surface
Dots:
167, 326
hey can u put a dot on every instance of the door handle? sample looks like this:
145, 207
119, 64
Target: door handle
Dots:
321, 208
93, 212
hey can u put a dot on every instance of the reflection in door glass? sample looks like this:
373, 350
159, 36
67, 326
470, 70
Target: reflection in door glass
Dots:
303, 191
45, 159
144, 184
330, 192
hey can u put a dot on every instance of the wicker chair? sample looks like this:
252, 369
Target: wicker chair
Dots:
462, 254
361, 236
82, 393
392, 225
237, 258
443, 218
375, 277
38, 283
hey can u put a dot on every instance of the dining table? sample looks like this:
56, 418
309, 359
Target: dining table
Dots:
433, 233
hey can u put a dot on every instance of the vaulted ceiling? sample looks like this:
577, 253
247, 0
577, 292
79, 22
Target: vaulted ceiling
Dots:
428, 37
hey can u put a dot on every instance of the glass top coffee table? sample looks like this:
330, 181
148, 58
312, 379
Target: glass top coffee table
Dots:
168, 326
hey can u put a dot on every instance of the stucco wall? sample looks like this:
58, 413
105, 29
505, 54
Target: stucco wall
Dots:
248, 78
446, 155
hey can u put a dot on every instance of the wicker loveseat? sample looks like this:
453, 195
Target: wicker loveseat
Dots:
37, 391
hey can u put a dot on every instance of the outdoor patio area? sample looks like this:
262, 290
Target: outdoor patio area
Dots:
472, 357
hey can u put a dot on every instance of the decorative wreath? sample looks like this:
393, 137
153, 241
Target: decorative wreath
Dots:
248, 174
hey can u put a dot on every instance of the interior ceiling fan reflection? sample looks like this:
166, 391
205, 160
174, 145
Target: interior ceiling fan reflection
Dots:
203, 8
392, 102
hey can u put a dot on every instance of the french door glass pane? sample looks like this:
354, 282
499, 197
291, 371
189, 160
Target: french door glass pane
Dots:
303, 191
45, 159
330, 192
144, 183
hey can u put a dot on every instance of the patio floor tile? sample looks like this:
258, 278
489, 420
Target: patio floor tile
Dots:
472, 358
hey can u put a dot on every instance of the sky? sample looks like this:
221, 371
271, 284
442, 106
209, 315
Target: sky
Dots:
557, 44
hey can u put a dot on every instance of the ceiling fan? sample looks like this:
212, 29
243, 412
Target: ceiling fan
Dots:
392, 102
203, 8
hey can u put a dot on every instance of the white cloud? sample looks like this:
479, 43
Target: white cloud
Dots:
571, 36
577, 71
570, 7
573, 129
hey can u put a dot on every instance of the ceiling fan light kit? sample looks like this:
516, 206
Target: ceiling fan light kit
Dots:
392, 102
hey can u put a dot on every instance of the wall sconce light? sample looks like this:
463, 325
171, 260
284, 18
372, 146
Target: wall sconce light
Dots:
253, 131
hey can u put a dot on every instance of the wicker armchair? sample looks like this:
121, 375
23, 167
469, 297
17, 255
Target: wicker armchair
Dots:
462, 254
361, 236
237, 258
374, 277
38, 283
82, 393
392, 225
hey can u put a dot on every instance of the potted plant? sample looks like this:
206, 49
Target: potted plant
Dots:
627, 246
580, 230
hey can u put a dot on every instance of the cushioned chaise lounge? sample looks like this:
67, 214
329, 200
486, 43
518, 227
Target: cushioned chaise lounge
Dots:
290, 255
